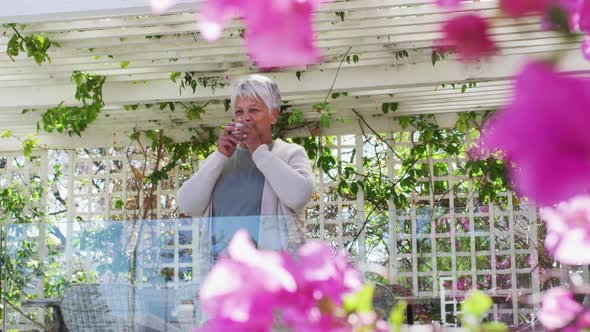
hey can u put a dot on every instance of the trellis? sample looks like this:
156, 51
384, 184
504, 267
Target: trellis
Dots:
97, 37
97, 178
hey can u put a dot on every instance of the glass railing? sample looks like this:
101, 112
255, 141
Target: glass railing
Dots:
145, 275
116, 275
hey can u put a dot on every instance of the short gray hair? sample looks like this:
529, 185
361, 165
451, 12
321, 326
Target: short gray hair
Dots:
258, 87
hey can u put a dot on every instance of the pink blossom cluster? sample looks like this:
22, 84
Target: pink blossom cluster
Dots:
560, 312
568, 230
544, 136
277, 33
469, 34
256, 290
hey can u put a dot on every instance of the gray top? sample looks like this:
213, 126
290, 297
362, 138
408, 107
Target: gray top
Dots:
238, 191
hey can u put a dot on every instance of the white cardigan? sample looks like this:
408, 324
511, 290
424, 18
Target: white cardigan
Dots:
288, 186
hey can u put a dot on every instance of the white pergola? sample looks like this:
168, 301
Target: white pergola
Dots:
97, 36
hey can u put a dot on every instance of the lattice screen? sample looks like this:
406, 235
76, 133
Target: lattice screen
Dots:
449, 234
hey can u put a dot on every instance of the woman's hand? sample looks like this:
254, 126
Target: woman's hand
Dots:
227, 143
251, 136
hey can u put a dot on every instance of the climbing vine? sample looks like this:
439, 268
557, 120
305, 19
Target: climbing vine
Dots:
75, 119
35, 45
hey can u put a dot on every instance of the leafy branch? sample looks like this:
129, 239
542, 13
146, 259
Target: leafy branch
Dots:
189, 80
75, 119
36, 45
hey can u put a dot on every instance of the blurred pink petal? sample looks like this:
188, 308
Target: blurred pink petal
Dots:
545, 135
583, 320
269, 263
519, 8
330, 274
246, 286
468, 35
160, 6
448, 3
568, 231
323, 278
571, 8
558, 308
225, 325
279, 38
584, 16
215, 14
277, 33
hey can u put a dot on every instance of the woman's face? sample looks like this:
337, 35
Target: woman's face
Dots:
252, 111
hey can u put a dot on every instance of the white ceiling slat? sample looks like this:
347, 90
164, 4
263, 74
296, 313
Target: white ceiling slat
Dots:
373, 30
350, 79
323, 22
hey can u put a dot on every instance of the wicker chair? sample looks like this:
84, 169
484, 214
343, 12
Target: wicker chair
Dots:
100, 307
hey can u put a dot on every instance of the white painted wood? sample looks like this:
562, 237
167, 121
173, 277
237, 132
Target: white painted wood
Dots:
26, 11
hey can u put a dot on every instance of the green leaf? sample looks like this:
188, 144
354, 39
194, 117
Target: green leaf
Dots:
354, 188
361, 301
463, 88
434, 57
134, 136
393, 106
119, 204
174, 75
28, 145
385, 108
6, 134
124, 64
398, 315
295, 117
355, 58
494, 327
404, 121
341, 15
477, 303
559, 19
325, 120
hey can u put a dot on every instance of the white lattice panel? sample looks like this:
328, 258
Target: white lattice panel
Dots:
449, 234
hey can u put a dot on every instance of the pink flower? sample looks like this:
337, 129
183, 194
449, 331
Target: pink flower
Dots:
278, 33
280, 38
519, 8
558, 308
331, 275
468, 35
571, 8
545, 135
323, 278
245, 290
584, 16
503, 264
463, 283
583, 320
160, 6
367, 322
464, 222
252, 283
448, 3
568, 231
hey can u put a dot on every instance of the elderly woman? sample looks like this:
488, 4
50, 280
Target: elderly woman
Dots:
251, 174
